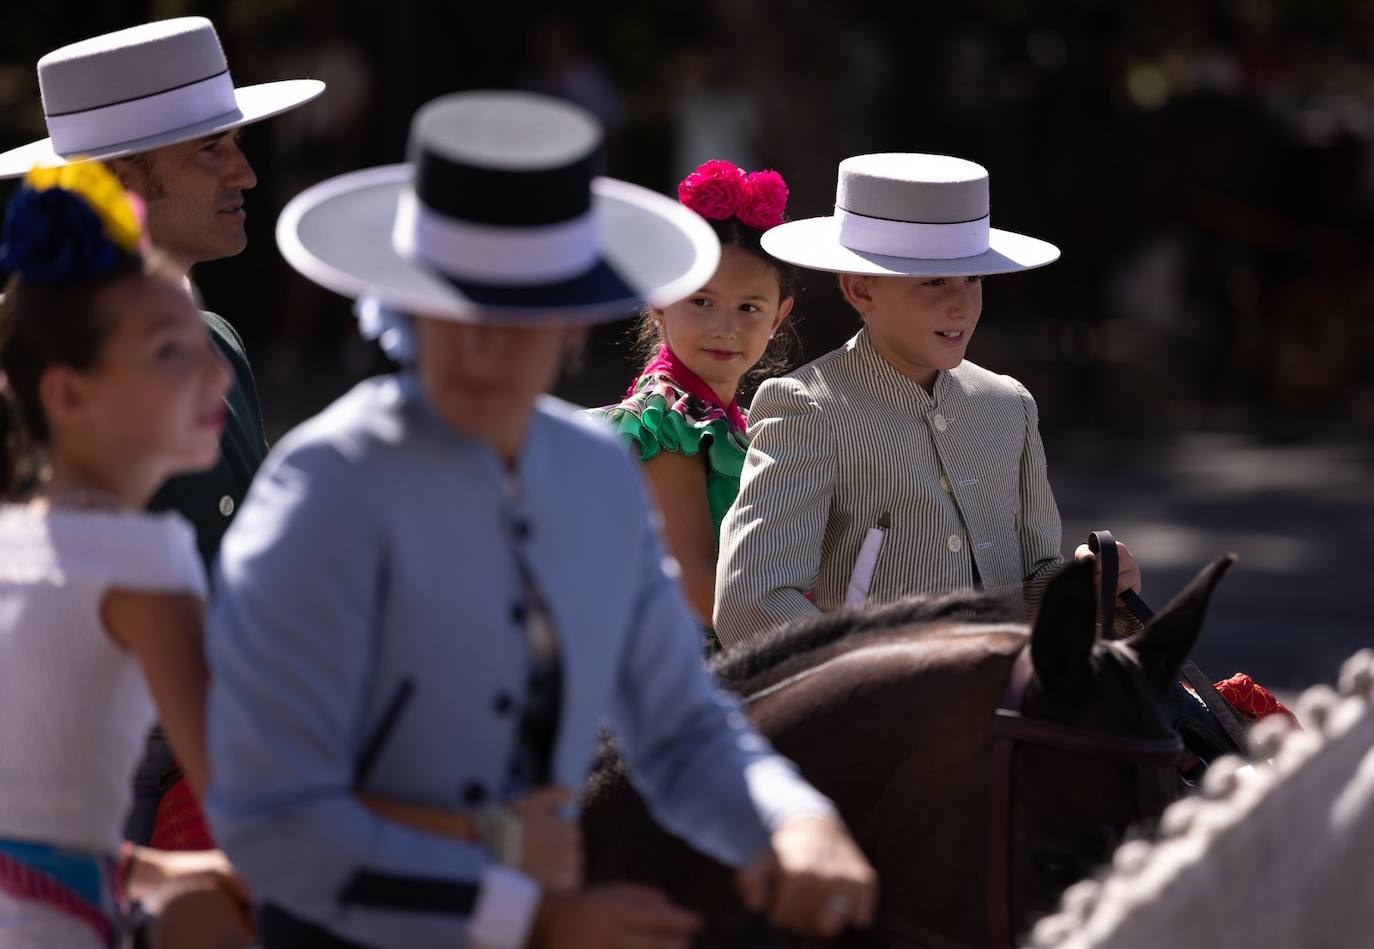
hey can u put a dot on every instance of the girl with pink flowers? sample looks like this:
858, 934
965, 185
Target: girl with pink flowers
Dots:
681, 413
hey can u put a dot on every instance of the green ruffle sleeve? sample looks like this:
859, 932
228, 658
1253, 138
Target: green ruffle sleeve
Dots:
659, 416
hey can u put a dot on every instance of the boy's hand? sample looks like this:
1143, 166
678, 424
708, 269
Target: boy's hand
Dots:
1127, 570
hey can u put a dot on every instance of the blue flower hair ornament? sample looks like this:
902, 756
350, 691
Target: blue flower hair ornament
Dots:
53, 237
69, 224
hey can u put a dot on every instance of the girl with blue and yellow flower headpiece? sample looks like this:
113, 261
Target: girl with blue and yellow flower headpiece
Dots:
108, 385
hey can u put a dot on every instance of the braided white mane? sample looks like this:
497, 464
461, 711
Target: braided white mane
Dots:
1282, 857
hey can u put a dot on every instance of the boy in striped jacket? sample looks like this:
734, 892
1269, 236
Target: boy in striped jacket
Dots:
893, 466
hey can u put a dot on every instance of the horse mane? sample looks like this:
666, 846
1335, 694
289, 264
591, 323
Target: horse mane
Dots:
796, 643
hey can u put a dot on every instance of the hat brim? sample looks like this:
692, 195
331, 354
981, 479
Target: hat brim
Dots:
255, 103
814, 243
339, 234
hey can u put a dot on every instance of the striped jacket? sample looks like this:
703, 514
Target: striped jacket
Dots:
847, 443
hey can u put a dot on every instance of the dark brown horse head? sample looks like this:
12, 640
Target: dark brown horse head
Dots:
889, 711
1071, 807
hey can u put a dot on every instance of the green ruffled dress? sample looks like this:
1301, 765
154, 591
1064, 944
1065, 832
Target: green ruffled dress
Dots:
661, 415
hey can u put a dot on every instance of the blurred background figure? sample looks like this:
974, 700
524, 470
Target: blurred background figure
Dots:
714, 90
561, 66
310, 148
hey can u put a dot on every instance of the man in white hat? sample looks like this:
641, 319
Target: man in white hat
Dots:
893, 466
156, 103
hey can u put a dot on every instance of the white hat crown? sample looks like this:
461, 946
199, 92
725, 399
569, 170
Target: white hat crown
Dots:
502, 192
134, 84
498, 217
906, 205
142, 88
908, 214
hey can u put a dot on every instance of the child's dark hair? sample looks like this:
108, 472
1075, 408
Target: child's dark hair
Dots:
44, 325
70, 234
785, 345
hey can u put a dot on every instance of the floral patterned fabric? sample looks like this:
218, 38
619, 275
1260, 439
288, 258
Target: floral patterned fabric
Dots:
1251, 699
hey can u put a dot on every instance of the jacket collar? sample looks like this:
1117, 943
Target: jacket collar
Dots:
528, 463
667, 363
892, 387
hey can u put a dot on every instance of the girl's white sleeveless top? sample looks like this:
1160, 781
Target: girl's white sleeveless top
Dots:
74, 708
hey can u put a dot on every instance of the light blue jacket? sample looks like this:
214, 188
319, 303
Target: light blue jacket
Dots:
377, 548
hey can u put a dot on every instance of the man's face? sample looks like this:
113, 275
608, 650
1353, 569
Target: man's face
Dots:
194, 194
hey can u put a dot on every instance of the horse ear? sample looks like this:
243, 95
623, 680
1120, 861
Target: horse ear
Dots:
1168, 638
1063, 635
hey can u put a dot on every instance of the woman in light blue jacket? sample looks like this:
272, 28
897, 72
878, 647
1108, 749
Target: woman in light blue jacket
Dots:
439, 587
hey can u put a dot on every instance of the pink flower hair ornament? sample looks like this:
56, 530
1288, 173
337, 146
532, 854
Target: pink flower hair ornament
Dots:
719, 190
140, 209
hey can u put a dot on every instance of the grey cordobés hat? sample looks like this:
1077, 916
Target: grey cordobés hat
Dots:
142, 88
907, 214
498, 217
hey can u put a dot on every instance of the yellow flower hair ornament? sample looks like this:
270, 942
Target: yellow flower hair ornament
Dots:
102, 191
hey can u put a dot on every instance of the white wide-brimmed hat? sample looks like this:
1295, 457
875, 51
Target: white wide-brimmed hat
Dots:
906, 214
497, 218
142, 88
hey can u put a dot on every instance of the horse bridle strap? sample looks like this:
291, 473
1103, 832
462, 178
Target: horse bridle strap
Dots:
1015, 727
1011, 726
1103, 545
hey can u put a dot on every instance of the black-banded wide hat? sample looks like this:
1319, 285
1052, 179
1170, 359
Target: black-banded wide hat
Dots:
142, 88
498, 217
904, 214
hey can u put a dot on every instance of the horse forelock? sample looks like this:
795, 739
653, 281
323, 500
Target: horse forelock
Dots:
1143, 696
1125, 687
797, 645
1115, 697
